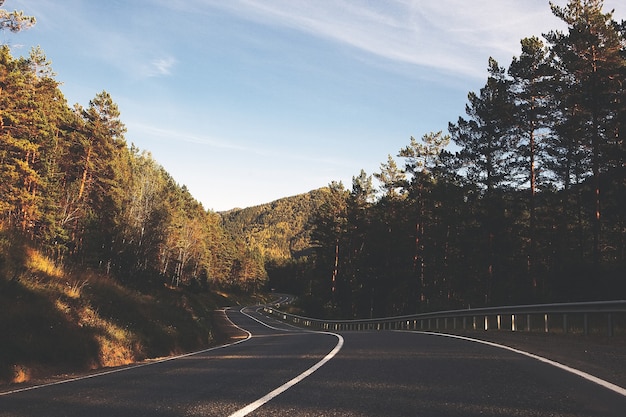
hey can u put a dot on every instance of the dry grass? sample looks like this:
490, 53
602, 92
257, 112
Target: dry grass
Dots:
20, 374
39, 264
115, 343
56, 322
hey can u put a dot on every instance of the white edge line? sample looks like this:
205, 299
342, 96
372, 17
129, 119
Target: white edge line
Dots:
585, 375
275, 393
128, 368
298, 329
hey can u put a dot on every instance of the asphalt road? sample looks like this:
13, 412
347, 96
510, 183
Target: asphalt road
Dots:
370, 374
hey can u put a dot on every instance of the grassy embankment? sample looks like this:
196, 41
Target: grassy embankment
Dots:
54, 322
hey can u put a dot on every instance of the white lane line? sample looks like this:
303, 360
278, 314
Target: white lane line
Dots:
240, 328
585, 375
276, 328
258, 403
128, 368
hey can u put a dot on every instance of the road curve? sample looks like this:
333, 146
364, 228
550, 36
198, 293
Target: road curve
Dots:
411, 374
215, 382
372, 374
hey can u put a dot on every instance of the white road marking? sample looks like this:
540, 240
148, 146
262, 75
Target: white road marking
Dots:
258, 403
261, 322
585, 375
128, 368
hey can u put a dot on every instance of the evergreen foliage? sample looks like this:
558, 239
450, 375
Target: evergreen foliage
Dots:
528, 206
71, 185
528, 209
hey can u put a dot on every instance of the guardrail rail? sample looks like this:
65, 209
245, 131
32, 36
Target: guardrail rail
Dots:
586, 318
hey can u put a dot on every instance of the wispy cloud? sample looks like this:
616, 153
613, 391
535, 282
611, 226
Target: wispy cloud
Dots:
161, 66
140, 129
180, 136
456, 36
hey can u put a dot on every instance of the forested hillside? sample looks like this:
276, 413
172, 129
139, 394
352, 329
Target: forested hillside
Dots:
72, 185
278, 237
527, 206
278, 230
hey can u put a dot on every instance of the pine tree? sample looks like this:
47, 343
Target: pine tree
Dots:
421, 160
329, 238
531, 76
486, 151
589, 58
15, 21
97, 150
32, 107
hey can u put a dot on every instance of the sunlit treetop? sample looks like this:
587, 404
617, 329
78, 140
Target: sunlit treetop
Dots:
15, 21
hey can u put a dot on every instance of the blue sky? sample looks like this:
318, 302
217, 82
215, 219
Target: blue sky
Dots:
246, 101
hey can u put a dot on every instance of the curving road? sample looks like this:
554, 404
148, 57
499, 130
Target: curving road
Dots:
276, 370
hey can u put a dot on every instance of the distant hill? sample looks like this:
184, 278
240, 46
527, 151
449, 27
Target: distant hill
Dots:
278, 230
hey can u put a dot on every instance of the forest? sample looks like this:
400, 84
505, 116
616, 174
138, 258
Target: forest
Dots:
71, 185
521, 200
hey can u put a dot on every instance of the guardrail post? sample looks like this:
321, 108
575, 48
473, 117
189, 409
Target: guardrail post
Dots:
432, 321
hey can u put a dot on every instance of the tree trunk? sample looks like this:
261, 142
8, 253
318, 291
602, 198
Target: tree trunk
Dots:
83, 180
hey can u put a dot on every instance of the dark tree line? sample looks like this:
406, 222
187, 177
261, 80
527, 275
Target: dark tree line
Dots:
529, 208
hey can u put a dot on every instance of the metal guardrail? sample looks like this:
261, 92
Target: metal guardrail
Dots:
585, 318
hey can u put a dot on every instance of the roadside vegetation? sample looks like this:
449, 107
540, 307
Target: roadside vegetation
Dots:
59, 321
